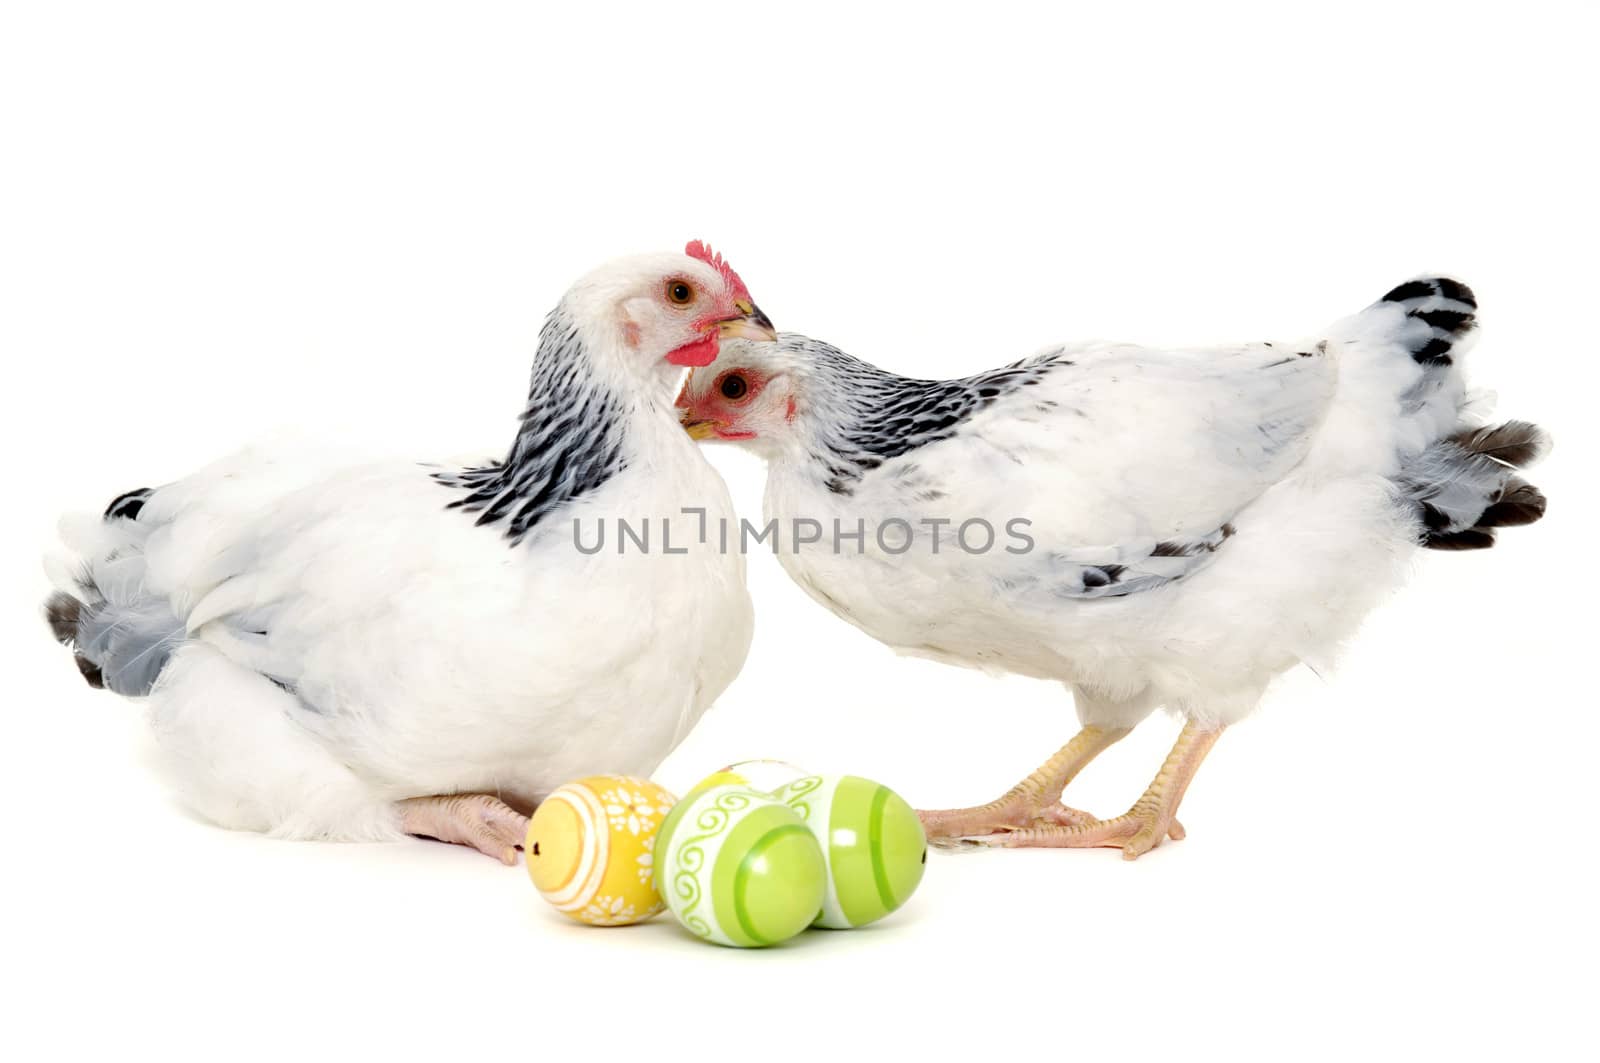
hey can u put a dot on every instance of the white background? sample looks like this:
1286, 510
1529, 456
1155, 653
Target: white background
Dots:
222, 218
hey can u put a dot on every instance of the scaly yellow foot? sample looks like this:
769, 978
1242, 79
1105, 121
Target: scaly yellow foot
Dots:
1007, 814
1034, 803
1151, 820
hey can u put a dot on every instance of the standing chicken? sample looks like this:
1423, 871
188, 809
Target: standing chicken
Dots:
353, 651
1149, 527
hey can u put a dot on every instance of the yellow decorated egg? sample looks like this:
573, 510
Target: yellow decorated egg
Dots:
590, 849
766, 775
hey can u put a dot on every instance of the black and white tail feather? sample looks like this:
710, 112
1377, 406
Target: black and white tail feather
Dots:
121, 635
1466, 484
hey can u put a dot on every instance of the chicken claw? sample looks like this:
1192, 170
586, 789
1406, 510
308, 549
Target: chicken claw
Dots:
481, 821
1034, 803
1010, 813
1152, 819
1136, 832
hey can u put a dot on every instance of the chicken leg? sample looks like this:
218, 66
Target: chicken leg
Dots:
1144, 826
481, 821
1035, 802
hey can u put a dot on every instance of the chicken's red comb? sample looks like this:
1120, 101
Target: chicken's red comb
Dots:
697, 249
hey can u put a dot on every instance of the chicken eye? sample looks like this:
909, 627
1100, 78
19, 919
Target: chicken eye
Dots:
734, 386
680, 292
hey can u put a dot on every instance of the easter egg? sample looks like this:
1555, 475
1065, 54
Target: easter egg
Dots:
737, 867
591, 846
871, 841
722, 777
765, 775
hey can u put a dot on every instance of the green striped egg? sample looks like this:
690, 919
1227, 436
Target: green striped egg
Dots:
872, 842
737, 867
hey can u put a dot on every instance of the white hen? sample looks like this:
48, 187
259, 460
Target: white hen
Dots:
356, 651
1150, 527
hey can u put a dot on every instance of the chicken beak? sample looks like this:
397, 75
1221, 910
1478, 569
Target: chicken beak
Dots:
700, 429
752, 324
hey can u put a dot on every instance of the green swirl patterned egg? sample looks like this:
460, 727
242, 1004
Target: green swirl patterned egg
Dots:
737, 867
871, 840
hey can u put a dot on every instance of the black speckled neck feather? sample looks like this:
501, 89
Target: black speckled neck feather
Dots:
570, 442
879, 415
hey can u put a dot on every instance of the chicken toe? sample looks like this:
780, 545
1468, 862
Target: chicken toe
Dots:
1152, 819
1034, 802
481, 821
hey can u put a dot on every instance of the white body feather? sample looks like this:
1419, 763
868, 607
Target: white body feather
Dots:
422, 653
340, 639
1292, 449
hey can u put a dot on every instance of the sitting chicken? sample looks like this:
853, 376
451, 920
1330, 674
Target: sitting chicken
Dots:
352, 651
1150, 527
